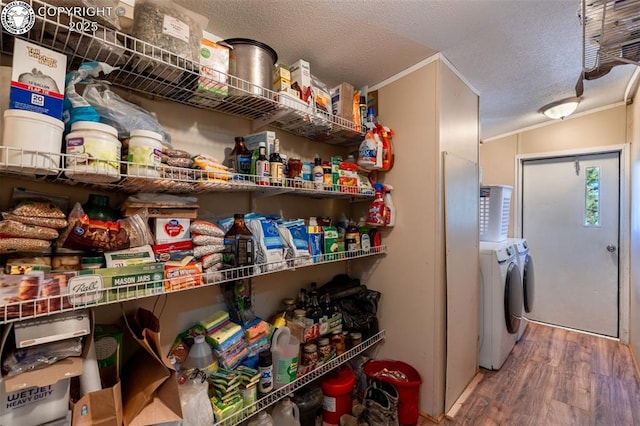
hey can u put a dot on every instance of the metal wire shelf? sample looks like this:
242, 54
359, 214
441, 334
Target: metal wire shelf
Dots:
280, 393
153, 71
69, 291
611, 34
46, 166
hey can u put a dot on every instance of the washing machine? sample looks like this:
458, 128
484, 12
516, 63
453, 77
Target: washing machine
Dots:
500, 302
525, 262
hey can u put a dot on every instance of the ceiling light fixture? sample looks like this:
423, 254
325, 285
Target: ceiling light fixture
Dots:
560, 109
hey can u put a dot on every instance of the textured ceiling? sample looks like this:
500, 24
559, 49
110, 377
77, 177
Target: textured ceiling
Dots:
519, 54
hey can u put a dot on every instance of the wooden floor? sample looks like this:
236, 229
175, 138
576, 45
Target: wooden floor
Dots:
557, 377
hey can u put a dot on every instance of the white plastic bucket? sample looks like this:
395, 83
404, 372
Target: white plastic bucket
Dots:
93, 153
145, 153
32, 142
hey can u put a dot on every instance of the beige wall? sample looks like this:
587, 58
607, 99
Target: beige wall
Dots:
634, 299
498, 157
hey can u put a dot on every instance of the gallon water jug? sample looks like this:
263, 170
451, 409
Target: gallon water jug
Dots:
284, 354
200, 355
286, 413
262, 419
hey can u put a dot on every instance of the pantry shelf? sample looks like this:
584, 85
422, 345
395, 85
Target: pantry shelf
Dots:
69, 291
44, 166
157, 72
286, 390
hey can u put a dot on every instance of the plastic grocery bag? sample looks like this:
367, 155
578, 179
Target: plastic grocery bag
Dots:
99, 103
196, 407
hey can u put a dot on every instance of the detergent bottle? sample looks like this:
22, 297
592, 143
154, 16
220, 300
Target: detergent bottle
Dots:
286, 413
284, 353
367, 154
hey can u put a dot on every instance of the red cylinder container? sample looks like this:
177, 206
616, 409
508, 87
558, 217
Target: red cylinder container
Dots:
337, 388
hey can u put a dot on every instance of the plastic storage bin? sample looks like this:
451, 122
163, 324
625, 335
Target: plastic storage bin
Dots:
408, 391
495, 206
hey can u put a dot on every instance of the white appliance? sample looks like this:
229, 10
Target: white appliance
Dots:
500, 302
525, 262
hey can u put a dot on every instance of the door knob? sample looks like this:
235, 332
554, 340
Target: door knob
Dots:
611, 248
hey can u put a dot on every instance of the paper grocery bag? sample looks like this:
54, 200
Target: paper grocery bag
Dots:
100, 408
150, 386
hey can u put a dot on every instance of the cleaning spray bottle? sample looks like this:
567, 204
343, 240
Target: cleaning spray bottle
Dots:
390, 209
375, 217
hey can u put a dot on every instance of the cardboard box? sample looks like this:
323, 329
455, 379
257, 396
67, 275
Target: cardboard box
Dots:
182, 274
37, 79
281, 72
301, 73
342, 101
90, 286
37, 396
309, 333
253, 140
169, 230
281, 84
65, 325
129, 257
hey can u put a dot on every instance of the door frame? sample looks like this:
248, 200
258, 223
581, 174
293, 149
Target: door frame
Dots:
624, 219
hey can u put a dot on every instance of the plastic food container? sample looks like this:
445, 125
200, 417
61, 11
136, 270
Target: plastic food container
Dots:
32, 142
92, 262
93, 153
145, 153
337, 388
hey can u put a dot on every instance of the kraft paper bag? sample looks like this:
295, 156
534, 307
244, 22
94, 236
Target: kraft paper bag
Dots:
150, 386
99, 408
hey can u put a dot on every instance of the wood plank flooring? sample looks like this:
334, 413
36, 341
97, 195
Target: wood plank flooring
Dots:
557, 377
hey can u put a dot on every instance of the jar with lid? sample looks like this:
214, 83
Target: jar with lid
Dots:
337, 342
289, 308
324, 349
145, 153
93, 153
309, 355
355, 339
300, 316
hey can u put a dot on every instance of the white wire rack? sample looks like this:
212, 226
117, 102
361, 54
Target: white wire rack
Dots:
110, 175
151, 70
611, 32
70, 290
286, 390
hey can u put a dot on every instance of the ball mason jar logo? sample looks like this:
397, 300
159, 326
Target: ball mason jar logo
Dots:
17, 17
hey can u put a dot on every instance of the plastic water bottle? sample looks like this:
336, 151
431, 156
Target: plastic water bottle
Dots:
200, 355
262, 419
286, 413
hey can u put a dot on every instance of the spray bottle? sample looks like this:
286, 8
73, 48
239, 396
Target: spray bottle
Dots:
390, 209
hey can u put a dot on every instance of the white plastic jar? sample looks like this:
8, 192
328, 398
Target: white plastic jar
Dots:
145, 153
93, 153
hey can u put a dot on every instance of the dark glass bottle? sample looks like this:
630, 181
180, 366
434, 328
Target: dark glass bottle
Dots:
262, 165
303, 299
314, 311
97, 207
241, 157
276, 166
328, 308
238, 244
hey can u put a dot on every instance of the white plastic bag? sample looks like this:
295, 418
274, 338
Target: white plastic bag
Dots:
196, 407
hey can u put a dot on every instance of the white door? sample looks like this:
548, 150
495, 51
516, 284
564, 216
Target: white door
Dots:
570, 217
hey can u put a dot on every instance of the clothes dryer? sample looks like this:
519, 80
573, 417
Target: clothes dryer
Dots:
500, 302
525, 262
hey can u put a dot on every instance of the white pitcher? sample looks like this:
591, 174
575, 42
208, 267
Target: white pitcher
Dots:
286, 413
